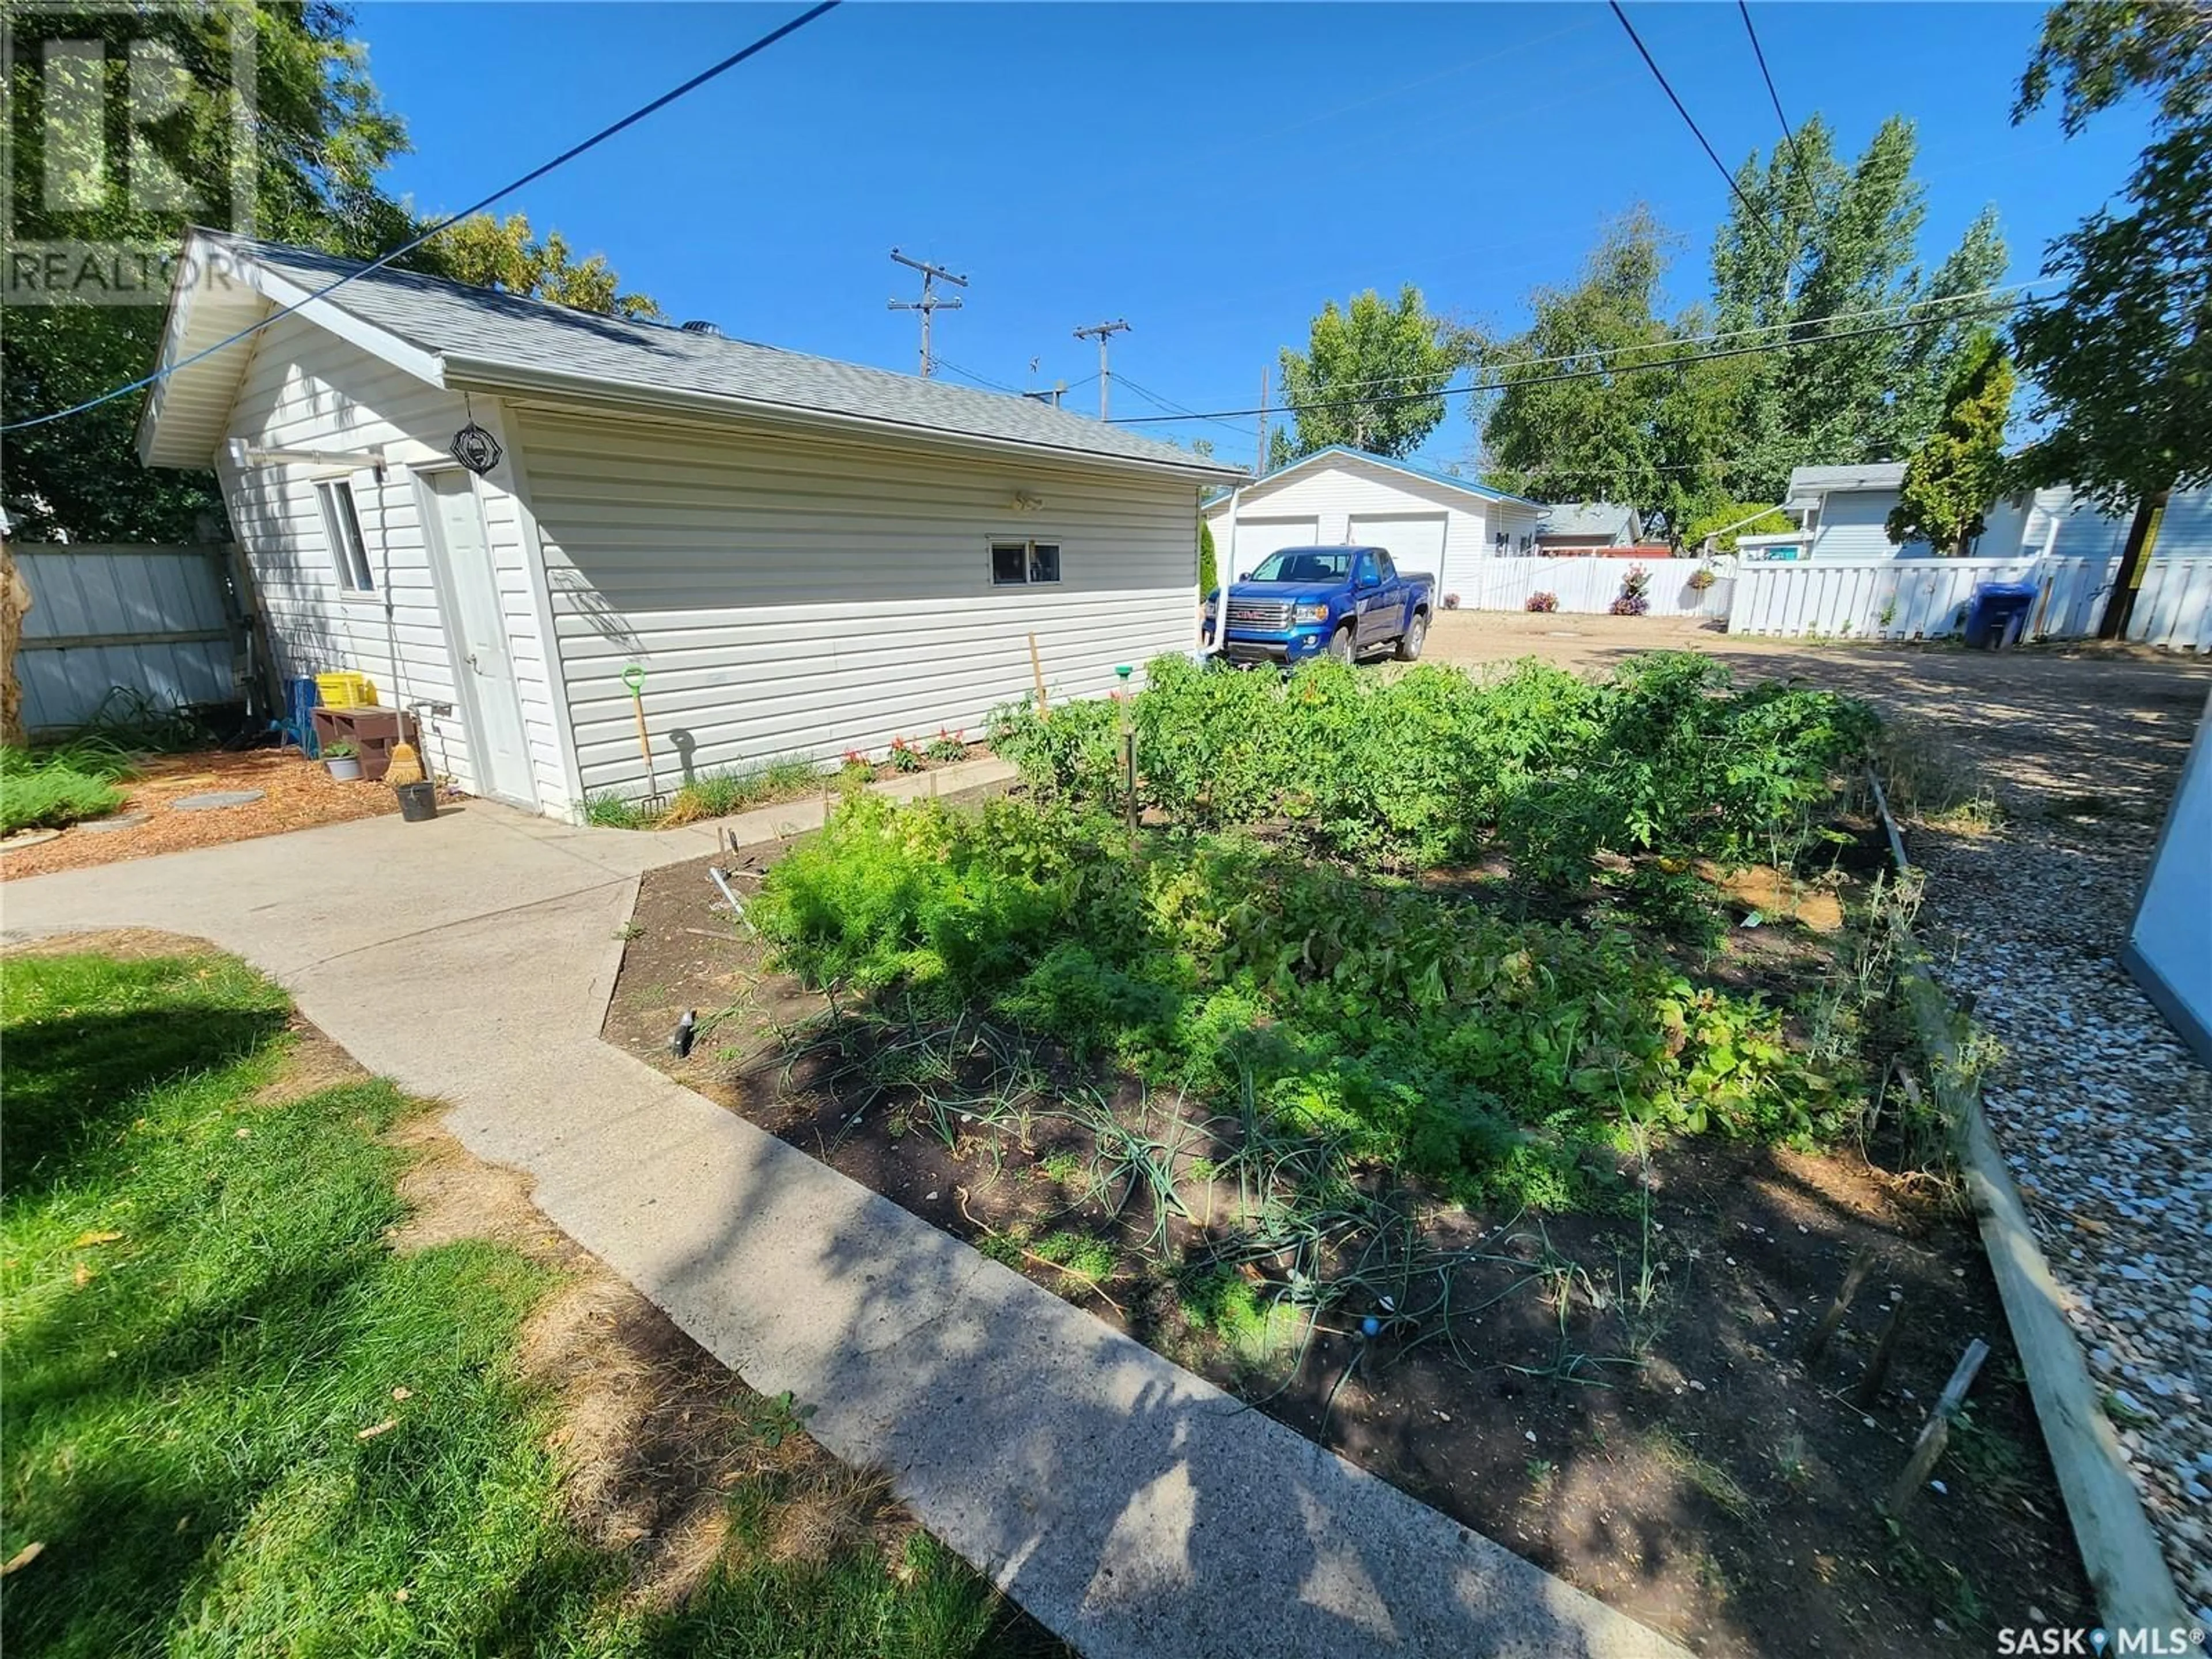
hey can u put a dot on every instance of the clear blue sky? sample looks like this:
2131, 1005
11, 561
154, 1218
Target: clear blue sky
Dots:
1211, 173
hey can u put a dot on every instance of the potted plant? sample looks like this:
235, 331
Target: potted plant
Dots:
1543, 602
1451, 601
344, 760
1702, 578
1635, 599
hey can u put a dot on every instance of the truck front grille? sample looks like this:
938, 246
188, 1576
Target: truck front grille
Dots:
1268, 616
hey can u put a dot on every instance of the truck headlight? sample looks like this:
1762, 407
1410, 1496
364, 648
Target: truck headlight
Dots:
1310, 613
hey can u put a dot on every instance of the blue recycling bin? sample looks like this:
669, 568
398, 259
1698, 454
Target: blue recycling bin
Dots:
1997, 615
301, 698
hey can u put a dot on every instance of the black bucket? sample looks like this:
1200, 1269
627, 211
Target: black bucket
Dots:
418, 802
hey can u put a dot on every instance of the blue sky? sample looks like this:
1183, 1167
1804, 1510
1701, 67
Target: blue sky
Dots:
1211, 172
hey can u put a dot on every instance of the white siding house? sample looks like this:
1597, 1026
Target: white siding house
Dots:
1430, 522
804, 556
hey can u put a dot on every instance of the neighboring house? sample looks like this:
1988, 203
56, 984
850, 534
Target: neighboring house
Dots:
1843, 513
1431, 522
806, 556
1589, 527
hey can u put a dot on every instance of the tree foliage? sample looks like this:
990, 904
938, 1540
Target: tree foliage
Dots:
1730, 520
2123, 362
322, 140
1958, 470
489, 251
1826, 239
1371, 376
1209, 569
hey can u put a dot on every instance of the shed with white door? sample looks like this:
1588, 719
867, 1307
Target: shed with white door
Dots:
1432, 523
804, 556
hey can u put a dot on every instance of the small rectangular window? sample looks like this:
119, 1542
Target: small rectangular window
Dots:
342, 524
1017, 563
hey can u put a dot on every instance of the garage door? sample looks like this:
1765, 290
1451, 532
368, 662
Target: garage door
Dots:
1258, 537
1416, 541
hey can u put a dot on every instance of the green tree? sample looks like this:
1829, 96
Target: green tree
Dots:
1959, 468
1209, 570
489, 251
2121, 364
1730, 520
1648, 423
1826, 239
1371, 376
322, 139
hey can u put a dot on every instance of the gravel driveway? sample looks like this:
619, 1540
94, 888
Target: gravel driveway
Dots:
2105, 1118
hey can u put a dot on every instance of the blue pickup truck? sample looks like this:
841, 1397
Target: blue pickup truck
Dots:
1305, 602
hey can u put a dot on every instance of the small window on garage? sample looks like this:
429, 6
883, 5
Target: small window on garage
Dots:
1017, 564
342, 524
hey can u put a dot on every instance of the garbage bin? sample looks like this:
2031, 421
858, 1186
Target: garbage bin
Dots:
1998, 615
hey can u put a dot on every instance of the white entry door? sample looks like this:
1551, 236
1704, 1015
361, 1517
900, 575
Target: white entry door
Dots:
1258, 537
1416, 540
468, 588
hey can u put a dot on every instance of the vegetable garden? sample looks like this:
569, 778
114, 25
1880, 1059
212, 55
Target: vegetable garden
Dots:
1412, 1067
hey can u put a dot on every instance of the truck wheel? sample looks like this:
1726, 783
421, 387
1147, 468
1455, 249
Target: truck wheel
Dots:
1341, 646
1416, 633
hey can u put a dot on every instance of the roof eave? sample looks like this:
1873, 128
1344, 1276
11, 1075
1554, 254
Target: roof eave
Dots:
475, 373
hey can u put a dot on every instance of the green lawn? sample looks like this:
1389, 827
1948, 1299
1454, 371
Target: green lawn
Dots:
201, 1316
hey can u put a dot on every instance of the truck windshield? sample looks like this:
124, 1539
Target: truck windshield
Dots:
1304, 564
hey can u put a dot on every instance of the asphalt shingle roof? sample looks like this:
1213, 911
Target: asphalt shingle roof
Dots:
1587, 519
484, 326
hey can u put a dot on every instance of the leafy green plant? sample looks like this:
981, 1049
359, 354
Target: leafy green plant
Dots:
58, 787
905, 756
605, 810
340, 750
946, 746
778, 1418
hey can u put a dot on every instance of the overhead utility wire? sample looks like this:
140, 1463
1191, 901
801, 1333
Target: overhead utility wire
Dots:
1713, 154
1589, 373
1757, 51
1184, 410
1671, 341
383, 259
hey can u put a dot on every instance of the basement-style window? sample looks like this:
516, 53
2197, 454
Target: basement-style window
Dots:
342, 524
1016, 563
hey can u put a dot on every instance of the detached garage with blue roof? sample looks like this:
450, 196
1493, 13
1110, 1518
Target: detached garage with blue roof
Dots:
1432, 523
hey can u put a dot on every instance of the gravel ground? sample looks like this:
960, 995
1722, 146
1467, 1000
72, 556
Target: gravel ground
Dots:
2104, 1119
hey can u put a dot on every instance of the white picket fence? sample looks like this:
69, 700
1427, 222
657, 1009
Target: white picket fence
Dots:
1589, 586
1927, 598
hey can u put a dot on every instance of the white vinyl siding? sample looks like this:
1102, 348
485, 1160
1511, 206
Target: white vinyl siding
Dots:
305, 389
1854, 525
1332, 494
1256, 538
800, 596
1416, 542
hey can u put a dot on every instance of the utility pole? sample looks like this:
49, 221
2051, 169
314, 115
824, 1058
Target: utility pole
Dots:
1259, 460
930, 301
1104, 331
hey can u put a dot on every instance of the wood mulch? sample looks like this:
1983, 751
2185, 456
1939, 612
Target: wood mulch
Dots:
298, 794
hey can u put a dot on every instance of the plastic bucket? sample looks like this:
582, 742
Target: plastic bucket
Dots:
418, 802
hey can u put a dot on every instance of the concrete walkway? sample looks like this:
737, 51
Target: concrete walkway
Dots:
1129, 1506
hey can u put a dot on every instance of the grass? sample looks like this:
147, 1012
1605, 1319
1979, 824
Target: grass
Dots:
716, 794
53, 788
239, 1422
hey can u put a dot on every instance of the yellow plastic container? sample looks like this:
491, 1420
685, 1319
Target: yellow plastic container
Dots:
346, 690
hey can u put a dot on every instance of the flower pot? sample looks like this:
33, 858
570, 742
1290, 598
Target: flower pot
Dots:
346, 768
418, 802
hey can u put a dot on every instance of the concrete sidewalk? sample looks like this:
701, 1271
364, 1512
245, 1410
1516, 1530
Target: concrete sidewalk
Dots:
1129, 1506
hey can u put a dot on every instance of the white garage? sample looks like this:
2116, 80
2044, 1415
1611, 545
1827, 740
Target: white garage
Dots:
1430, 522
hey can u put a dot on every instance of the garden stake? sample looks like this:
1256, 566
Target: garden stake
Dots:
634, 678
1037, 667
1877, 1370
1935, 1433
1816, 1344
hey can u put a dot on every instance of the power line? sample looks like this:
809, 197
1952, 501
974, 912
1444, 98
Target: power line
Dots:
1681, 110
984, 381
1591, 373
383, 259
1757, 51
1158, 402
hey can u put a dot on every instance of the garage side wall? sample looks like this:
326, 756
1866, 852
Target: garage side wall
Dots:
796, 597
1345, 500
307, 389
